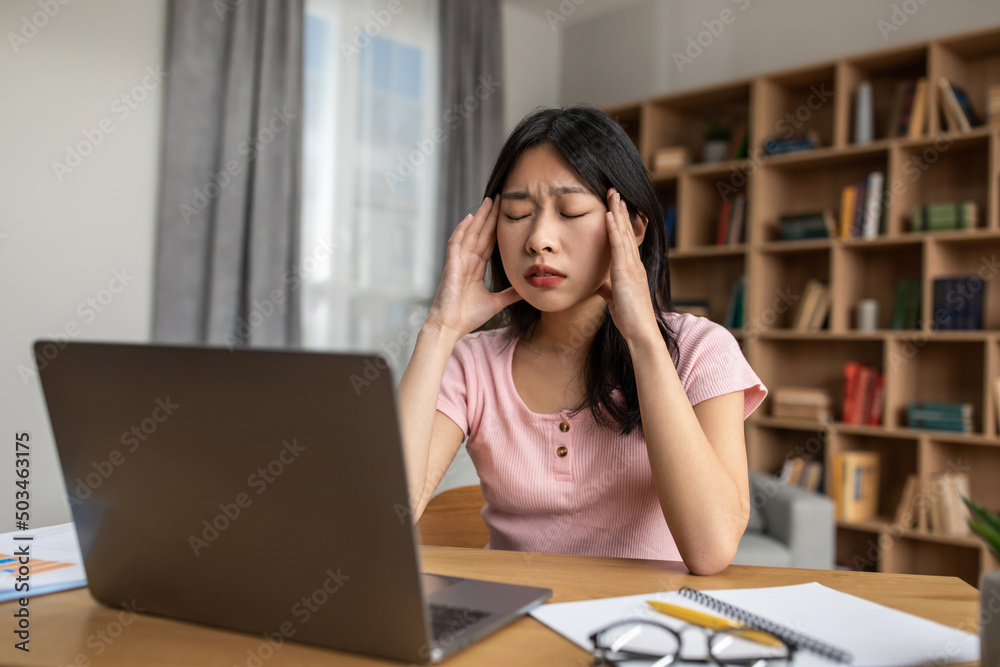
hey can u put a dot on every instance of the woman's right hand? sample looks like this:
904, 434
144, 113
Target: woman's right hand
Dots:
462, 303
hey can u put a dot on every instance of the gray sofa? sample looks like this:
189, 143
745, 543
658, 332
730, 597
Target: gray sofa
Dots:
789, 526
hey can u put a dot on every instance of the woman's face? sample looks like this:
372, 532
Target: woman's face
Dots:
549, 216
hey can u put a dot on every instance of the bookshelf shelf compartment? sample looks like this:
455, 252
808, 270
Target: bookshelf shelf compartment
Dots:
976, 461
981, 260
898, 458
778, 444
803, 187
884, 71
930, 373
709, 279
862, 271
797, 101
783, 280
941, 172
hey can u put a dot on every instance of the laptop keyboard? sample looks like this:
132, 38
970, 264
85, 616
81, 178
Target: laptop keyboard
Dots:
446, 619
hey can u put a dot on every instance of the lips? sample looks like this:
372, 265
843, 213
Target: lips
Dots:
542, 270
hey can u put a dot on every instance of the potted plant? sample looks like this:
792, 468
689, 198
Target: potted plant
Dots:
716, 142
987, 526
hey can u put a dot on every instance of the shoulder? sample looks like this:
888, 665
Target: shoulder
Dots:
692, 330
486, 345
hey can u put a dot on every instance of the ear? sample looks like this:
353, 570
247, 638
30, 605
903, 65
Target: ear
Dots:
639, 228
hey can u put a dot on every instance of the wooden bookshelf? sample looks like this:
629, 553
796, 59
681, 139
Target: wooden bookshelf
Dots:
919, 364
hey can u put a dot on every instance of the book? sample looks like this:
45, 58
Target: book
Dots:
870, 227
945, 216
899, 111
670, 222
669, 159
797, 142
860, 479
866, 633
959, 116
905, 514
738, 217
811, 225
848, 197
733, 318
722, 229
918, 115
996, 400
864, 114
807, 305
802, 403
737, 144
958, 303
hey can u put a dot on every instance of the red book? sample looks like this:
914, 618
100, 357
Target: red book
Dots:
852, 370
874, 417
723, 232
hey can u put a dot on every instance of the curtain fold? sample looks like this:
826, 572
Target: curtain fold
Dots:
472, 106
228, 223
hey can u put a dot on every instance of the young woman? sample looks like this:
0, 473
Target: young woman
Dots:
600, 421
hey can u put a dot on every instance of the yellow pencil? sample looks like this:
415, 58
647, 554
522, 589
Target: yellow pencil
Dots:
712, 622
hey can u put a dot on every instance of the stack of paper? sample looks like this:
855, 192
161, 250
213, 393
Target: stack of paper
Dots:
53, 561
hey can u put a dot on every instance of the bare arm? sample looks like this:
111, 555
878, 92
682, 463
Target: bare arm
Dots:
698, 459
429, 444
462, 304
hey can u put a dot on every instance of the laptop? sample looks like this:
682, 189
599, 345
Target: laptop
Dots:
257, 490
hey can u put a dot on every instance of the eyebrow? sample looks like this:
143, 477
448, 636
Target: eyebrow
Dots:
553, 192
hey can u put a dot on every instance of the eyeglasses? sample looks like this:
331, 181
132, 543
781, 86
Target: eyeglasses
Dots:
641, 639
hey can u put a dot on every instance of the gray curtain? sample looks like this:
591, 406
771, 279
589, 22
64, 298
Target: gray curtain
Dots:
229, 201
472, 106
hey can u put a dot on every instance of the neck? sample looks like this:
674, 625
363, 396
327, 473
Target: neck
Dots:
569, 333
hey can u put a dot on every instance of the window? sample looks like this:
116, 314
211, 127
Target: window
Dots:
369, 174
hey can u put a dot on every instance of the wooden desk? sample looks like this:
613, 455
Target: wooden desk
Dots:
64, 625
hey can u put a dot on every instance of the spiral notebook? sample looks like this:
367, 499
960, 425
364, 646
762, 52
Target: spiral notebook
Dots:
828, 627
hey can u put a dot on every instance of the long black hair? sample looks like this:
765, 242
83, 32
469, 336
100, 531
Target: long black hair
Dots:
604, 157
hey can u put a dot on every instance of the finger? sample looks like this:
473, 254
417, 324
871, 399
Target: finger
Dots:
482, 215
487, 235
628, 232
460, 230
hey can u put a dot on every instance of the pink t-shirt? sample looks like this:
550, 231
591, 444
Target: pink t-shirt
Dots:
599, 498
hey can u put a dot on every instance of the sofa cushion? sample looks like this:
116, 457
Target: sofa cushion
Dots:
759, 549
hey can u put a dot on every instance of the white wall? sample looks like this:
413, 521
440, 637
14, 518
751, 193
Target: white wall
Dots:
532, 61
628, 54
62, 240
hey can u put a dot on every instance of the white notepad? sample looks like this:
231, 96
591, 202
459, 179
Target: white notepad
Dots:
876, 636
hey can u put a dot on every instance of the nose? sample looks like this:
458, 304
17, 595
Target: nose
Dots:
543, 235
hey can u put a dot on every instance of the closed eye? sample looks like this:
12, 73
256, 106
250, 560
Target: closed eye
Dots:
567, 215
522, 217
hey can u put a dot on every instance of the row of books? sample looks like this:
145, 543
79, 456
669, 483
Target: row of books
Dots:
958, 303
935, 504
906, 311
732, 220
854, 485
813, 307
803, 473
945, 216
941, 416
804, 403
909, 114
864, 394
861, 209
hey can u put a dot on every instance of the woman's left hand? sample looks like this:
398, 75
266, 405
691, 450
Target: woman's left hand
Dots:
627, 290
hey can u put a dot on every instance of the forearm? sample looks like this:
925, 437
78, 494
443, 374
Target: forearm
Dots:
417, 396
703, 504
